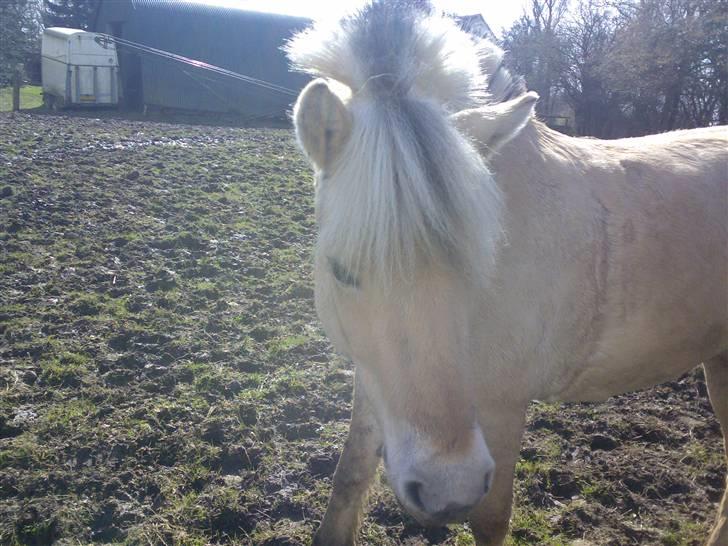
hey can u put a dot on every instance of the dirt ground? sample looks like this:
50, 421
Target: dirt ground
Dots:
164, 380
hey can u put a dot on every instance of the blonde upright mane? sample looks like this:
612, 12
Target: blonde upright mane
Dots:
407, 187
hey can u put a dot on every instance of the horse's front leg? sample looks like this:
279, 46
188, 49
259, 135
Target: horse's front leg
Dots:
716, 373
491, 518
356, 468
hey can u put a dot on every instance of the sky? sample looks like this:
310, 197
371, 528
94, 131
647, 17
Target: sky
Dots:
497, 13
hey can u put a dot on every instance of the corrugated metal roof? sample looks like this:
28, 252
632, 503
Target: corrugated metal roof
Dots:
193, 6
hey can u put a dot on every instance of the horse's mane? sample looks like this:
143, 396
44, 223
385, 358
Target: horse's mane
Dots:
407, 186
503, 85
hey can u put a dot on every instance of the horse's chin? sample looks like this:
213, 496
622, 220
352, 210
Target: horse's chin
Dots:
427, 520
430, 520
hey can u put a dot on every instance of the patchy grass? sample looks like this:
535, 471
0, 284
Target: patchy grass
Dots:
682, 533
67, 416
164, 379
66, 370
31, 96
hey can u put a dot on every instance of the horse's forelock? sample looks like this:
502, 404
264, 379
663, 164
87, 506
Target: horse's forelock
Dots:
407, 186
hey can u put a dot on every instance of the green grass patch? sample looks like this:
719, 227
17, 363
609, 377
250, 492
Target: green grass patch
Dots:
99, 308
289, 381
87, 304
207, 290
286, 343
69, 415
24, 452
31, 96
698, 456
683, 533
527, 469
66, 369
598, 491
207, 378
530, 526
134, 428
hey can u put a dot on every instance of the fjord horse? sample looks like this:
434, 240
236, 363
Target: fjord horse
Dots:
469, 260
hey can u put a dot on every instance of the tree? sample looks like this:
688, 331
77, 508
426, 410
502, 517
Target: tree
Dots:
587, 38
669, 63
626, 67
19, 34
534, 49
70, 13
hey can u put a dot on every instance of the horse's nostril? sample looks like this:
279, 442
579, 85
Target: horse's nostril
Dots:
488, 481
413, 490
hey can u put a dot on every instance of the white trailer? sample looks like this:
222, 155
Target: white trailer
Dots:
78, 68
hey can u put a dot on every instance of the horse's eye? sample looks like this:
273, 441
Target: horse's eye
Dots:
342, 275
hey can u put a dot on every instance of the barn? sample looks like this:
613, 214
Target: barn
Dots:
239, 40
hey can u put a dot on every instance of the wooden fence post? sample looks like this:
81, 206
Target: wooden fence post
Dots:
17, 80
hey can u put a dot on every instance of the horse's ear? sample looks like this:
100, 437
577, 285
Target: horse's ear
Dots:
323, 123
496, 124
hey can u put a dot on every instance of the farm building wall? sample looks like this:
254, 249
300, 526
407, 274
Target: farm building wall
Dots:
242, 41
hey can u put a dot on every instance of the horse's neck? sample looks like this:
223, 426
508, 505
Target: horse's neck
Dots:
549, 207
538, 172
549, 226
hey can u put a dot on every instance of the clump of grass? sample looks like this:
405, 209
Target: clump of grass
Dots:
600, 491
43, 531
134, 428
68, 415
186, 507
531, 526
289, 381
528, 470
682, 533
87, 305
698, 455
195, 476
66, 369
24, 452
207, 290
117, 308
285, 343
207, 378
551, 446
284, 531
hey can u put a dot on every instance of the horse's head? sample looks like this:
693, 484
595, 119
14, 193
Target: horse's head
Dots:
411, 346
405, 315
409, 226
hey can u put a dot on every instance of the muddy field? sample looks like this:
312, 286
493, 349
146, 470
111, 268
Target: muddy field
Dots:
164, 380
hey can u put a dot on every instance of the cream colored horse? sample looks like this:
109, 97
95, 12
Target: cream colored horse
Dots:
469, 260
